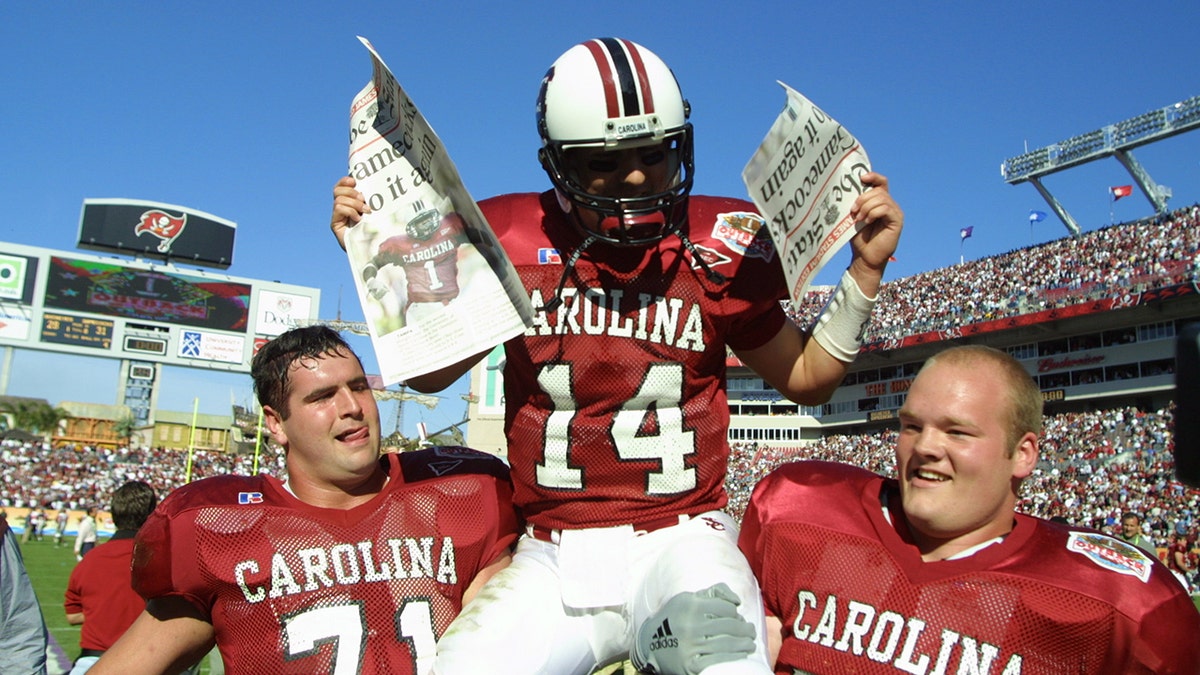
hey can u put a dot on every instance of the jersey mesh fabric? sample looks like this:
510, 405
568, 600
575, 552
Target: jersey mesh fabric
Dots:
296, 589
854, 598
615, 402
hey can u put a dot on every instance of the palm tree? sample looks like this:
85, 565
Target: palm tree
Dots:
124, 429
36, 417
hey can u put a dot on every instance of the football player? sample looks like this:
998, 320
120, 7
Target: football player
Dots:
933, 572
427, 253
356, 563
616, 411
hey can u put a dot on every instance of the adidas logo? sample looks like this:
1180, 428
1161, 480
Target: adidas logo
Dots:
662, 638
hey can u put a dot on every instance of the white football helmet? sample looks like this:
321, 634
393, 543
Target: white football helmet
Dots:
615, 94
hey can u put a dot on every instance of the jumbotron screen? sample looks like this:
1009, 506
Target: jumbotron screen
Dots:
116, 290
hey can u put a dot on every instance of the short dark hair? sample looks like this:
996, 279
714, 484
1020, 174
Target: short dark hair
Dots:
272, 364
1130, 514
132, 504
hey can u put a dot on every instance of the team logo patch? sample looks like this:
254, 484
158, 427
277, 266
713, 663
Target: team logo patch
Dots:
711, 256
549, 256
162, 225
1111, 554
739, 230
250, 498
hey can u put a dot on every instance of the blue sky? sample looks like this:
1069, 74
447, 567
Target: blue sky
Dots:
240, 110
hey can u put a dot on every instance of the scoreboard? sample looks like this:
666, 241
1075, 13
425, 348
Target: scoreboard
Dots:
141, 310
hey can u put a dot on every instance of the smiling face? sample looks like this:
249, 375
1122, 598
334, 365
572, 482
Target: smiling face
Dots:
331, 428
1130, 527
959, 458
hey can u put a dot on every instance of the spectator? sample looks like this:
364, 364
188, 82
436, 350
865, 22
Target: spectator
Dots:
86, 539
1131, 533
99, 594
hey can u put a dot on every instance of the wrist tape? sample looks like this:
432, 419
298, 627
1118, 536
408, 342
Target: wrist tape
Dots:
841, 325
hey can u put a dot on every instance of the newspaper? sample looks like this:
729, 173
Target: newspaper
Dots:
434, 283
804, 178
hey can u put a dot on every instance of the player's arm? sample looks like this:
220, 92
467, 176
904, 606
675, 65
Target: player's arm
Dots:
484, 574
435, 381
806, 370
774, 639
166, 638
74, 618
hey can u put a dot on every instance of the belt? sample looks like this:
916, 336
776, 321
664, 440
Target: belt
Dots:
644, 527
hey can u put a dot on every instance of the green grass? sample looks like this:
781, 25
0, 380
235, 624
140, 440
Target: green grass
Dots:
49, 569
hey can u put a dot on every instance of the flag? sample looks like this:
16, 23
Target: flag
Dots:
1037, 216
966, 232
1120, 191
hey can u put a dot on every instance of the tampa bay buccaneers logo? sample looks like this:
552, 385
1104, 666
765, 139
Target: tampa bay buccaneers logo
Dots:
162, 225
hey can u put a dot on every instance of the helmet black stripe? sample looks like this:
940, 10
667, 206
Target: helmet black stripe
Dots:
626, 81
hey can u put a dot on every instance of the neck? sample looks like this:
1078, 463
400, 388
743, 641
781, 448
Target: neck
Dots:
345, 494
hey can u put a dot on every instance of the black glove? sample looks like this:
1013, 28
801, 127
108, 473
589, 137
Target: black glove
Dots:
692, 631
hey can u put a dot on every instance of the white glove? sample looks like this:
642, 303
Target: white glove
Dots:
692, 631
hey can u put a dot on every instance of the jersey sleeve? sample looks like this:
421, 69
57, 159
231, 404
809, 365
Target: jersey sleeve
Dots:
1167, 638
164, 556
489, 470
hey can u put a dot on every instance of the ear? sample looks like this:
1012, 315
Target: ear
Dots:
1025, 455
275, 425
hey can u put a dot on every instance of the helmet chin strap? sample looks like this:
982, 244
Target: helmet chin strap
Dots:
562, 280
567, 206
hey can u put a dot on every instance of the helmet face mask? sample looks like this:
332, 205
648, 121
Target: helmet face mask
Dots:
424, 224
614, 96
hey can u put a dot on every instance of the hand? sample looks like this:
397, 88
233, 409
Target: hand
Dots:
376, 288
692, 631
875, 243
348, 208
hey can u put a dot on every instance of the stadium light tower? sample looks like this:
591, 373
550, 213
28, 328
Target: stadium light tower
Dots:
1115, 140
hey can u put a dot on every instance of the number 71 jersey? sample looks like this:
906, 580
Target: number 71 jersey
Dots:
615, 399
292, 588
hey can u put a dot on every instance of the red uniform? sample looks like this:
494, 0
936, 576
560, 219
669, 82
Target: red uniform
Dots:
292, 588
615, 403
99, 589
430, 265
855, 597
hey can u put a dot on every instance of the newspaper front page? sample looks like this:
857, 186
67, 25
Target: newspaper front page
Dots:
804, 178
434, 283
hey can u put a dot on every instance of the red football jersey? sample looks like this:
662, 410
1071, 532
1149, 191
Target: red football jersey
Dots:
854, 597
430, 265
615, 403
292, 588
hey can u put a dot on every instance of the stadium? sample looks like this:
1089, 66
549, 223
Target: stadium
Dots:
1095, 317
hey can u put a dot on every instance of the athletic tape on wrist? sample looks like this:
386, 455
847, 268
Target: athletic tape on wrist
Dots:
841, 325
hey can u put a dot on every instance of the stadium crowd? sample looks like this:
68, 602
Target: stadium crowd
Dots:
37, 475
1125, 258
